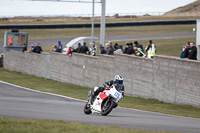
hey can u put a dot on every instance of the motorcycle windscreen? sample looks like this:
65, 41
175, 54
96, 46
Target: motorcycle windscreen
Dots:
103, 96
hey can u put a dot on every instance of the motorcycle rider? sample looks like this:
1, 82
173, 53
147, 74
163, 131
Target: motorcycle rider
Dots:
118, 82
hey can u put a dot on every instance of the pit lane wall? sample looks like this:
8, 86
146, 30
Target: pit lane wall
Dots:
167, 79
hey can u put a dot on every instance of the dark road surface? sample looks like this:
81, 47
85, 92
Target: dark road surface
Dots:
21, 102
51, 41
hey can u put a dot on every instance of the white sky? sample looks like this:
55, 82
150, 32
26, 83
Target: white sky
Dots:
10, 8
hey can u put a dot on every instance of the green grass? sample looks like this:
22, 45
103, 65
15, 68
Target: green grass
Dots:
113, 31
79, 92
10, 125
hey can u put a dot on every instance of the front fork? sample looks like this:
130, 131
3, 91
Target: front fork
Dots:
89, 96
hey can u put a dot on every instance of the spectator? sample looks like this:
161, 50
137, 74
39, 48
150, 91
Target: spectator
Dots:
183, 52
118, 49
131, 44
32, 48
78, 49
130, 50
69, 52
93, 49
24, 48
139, 46
138, 52
151, 49
38, 49
193, 53
55, 48
126, 48
110, 48
116, 46
59, 47
187, 50
102, 50
84, 49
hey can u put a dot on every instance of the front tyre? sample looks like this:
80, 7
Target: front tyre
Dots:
107, 107
87, 109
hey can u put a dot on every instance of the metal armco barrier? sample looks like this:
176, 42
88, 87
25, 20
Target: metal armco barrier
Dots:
97, 25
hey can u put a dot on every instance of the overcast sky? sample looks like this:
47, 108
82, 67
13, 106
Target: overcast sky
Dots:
10, 8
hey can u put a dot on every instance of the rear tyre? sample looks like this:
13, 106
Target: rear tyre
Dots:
107, 107
87, 109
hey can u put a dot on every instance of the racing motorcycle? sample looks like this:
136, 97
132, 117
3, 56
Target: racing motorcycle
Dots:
105, 101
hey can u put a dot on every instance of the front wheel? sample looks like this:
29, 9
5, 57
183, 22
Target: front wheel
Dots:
107, 107
87, 109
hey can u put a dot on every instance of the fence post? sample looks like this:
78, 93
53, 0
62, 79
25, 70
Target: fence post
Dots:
48, 66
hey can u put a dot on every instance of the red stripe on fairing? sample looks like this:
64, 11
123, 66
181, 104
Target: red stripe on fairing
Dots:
107, 89
103, 96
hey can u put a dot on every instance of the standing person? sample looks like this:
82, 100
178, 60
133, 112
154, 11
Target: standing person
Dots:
187, 50
139, 46
32, 48
138, 52
193, 54
78, 48
69, 52
59, 47
126, 48
183, 52
84, 49
118, 49
102, 49
131, 50
151, 49
93, 50
110, 48
38, 49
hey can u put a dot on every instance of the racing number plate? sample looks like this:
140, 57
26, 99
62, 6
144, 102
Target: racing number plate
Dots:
116, 94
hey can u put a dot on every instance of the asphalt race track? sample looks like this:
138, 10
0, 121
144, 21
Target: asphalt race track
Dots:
18, 102
51, 41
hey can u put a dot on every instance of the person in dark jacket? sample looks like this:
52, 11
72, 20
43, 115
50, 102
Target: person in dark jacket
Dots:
139, 46
117, 82
38, 49
84, 49
130, 51
187, 50
102, 49
126, 48
193, 53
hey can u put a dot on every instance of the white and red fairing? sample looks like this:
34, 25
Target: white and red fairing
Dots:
96, 107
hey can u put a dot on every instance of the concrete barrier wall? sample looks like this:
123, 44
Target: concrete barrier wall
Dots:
32, 64
164, 78
177, 80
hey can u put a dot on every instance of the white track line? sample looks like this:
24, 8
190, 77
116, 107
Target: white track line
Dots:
41, 91
86, 101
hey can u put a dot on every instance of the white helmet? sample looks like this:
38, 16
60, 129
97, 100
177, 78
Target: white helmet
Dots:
119, 79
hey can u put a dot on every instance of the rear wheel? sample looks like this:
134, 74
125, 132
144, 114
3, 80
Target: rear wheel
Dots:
107, 107
87, 109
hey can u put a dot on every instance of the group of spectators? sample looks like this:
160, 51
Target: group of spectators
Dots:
84, 49
135, 49
36, 49
189, 51
57, 48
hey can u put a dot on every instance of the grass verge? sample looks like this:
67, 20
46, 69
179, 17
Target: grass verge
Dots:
112, 31
79, 92
10, 125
